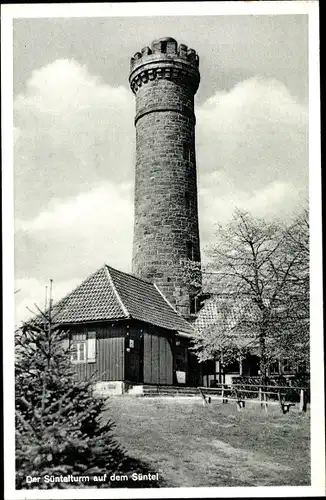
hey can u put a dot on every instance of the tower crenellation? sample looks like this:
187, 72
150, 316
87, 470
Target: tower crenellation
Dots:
166, 47
164, 78
155, 62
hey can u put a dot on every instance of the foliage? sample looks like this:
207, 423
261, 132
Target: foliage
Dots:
59, 430
258, 275
222, 336
191, 273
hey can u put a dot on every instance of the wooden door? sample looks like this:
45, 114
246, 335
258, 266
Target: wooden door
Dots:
157, 360
134, 361
193, 375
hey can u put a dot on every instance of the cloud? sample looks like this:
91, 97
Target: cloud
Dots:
16, 134
256, 133
103, 207
73, 237
66, 86
74, 132
252, 153
74, 148
31, 291
219, 197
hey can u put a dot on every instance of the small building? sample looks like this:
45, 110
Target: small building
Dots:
231, 322
125, 333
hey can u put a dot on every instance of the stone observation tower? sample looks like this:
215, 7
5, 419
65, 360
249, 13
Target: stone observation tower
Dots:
164, 79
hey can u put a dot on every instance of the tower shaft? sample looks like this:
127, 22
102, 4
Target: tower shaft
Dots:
165, 79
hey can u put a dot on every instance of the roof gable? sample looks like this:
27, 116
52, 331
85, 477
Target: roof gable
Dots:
109, 294
93, 300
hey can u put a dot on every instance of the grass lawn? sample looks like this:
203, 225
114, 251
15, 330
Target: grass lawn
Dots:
192, 445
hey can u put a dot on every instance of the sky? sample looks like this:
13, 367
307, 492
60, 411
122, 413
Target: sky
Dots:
74, 136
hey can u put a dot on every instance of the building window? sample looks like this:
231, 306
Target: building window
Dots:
83, 348
287, 366
274, 367
78, 351
233, 367
181, 358
302, 367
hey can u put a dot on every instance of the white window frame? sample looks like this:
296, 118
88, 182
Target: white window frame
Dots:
91, 347
84, 348
278, 371
286, 363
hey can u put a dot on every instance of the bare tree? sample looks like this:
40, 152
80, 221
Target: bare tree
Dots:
296, 314
263, 268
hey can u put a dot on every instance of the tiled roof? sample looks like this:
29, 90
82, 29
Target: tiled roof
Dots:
229, 318
145, 303
93, 300
109, 294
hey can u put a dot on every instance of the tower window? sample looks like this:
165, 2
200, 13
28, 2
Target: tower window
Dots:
193, 303
187, 152
190, 250
163, 47
187, 200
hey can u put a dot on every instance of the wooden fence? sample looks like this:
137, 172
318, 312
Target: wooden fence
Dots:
262, 394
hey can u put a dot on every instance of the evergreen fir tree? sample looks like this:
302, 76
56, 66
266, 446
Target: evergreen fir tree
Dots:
59, 431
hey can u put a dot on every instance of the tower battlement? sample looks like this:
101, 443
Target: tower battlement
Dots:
165, 59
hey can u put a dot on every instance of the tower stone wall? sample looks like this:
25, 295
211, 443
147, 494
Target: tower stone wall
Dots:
164, 79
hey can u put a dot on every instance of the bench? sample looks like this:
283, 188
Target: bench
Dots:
285, 406
241, 403
226, 392
231, 393
206, 399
